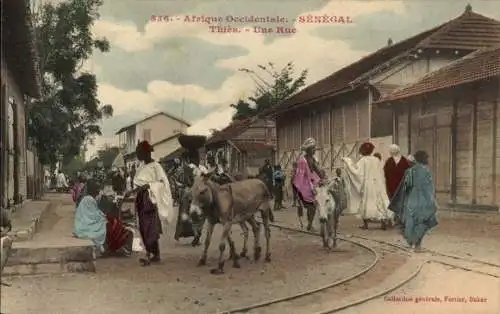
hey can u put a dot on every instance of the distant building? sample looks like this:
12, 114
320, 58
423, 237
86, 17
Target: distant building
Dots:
161, 130
20, 79
244, 144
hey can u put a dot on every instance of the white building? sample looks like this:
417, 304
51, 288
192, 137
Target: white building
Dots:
161, 130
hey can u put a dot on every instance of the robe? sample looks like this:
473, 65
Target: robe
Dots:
394, 173
366, 189
305, 181
414, 203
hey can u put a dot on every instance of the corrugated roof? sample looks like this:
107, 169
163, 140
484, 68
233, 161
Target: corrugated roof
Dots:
477, 66
446, 35
152, 116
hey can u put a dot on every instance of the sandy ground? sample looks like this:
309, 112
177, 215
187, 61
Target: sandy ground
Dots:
463, 234
178, 286
439, 290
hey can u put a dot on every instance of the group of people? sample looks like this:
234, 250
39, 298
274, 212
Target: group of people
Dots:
399, 191
275, 178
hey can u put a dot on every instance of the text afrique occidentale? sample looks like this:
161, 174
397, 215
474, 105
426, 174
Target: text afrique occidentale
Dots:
214, 22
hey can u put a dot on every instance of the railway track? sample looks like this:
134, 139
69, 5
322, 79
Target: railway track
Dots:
346, 293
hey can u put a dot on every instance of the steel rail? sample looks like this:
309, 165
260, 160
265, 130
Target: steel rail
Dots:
329, 286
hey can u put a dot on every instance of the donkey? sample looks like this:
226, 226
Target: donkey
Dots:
232, 203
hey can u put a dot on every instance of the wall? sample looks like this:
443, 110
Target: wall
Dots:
337, 124
261, 131
161, 127
165, 148
410, 71
15, 176
458, 129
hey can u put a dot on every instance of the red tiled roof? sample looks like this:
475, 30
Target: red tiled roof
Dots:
232, 130
477, 66
468, 31
463, 32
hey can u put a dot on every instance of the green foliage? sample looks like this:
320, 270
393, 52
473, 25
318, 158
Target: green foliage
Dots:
272, 89
69, 112
106, 155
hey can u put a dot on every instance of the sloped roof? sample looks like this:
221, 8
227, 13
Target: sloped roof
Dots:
446, 35
232, 130
252, 146
468, 31
152, 116
479, 65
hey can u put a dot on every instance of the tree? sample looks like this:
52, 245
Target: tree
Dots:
69, 112
273, 87
105, 155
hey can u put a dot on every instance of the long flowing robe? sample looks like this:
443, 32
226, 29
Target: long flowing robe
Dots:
305, 181
414, 202
90, 222
153, 205
394, 173
366, 189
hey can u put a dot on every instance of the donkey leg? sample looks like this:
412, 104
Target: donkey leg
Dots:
256, 237
210, 230
222, 248
244, 250
234, 256
267, 233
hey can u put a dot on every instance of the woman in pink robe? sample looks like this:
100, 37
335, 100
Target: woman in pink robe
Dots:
306, 179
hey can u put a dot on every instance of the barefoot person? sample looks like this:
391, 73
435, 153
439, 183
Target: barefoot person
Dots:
153, 202
366, 185
415, 199
306, 179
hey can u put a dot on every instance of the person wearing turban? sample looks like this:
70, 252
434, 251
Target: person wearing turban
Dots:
366, 187
153, 201
307, 177
394, 171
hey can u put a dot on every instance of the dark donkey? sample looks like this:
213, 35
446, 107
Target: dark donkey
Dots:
232, 203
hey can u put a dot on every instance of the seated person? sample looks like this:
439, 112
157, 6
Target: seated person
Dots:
108, 233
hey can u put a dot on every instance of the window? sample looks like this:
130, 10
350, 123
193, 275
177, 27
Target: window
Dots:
146, 135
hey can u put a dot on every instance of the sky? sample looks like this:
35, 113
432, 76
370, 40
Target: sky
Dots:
182, 67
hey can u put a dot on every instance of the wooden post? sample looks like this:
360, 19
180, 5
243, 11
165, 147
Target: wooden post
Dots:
395, 123
409, 128
474, 146
454, 131
494, 136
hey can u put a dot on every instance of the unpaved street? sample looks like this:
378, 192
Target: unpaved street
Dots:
178, 286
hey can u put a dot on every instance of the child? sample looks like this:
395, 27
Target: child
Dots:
338, 189
278, 183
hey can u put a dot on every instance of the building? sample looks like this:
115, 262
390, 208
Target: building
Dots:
20, 80
453, 115
338, 111
161, 130
244, 144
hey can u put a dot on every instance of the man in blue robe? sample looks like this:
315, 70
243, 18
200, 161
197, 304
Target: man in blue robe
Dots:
414, 202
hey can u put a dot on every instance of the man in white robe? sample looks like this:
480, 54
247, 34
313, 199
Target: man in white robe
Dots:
366, 186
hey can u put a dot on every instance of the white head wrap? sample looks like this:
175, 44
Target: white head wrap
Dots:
394, 150
309, 143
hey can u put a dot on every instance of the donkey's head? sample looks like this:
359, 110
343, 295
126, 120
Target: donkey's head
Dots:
202, 194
